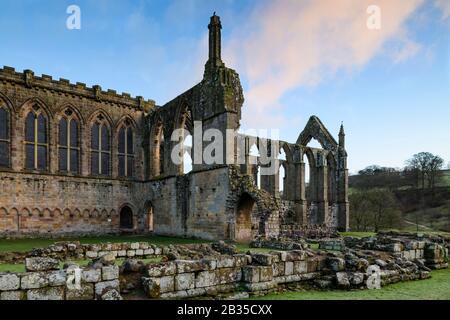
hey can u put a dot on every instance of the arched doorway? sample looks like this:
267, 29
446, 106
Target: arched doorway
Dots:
126, 218
243, 231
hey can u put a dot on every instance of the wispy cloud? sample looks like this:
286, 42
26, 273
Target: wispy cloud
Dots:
444, 5
292, 43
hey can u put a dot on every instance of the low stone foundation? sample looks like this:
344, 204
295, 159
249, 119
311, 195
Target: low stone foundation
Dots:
217, 270
45, 281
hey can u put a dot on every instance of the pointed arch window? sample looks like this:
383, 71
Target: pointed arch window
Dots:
36, 140
100, 147
68, 143
126, 150
157, 150
5, 137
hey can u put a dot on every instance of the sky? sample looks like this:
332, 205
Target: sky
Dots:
390, 86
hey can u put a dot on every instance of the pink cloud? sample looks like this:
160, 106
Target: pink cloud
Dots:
292, 43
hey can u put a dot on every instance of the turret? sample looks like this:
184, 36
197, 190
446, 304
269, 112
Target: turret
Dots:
215, 44
342, 137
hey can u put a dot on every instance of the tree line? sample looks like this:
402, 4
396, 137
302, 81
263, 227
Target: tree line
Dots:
373, 203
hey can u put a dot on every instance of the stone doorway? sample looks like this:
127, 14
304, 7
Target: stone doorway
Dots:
126, 218
243, 231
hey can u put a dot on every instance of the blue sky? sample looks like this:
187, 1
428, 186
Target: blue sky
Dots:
391, 90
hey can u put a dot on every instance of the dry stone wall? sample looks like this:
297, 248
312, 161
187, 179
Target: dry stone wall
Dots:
45, 281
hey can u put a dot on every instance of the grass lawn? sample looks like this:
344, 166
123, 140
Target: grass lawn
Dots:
21, 245
357, 234
436, 288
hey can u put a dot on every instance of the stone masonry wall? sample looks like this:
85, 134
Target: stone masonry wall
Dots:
45, 281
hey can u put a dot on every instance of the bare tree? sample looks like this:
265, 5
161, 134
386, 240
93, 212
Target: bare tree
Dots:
428, 166
374, 209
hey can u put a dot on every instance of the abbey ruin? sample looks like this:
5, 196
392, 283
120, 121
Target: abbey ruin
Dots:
76, 160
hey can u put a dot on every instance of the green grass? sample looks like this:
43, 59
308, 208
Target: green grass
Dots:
357, 234
436, 288
244, 248
22, 245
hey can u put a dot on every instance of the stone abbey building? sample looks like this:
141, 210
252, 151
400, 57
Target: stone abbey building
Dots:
77, 160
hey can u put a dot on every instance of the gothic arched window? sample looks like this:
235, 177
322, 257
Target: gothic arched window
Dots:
68, 143
5, 137
36, 140
100, 147
126, 150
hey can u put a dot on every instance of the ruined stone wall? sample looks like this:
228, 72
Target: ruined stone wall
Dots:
193, 205
45, 281
51, 202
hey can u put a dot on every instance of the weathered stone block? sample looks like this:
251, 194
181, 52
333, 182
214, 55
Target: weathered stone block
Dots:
34, 280
9, 281
110, 273
57, 278
111, 294
225, 261
91, 254
300, 267
163, 269
131, 253
288, 268
49, 293
282, 255
336, 264
186, 266
262, 259
148, 252
184, 281
41, 264
167, 284
139, 252
356, 278
209, 264
121, 253
295, 255
228, 275
250, 274
91, 275
86, 292
241, 260
102, 286
265, 273
103, 253
260, 286
12, 295
342, 280
134, 245
312, 265
143, 245
205, 279
278, 269
152, 287
395, 247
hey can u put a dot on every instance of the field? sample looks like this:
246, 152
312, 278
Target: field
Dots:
21, 245
436, 288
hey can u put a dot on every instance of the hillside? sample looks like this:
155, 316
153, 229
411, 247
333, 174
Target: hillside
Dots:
430, 210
